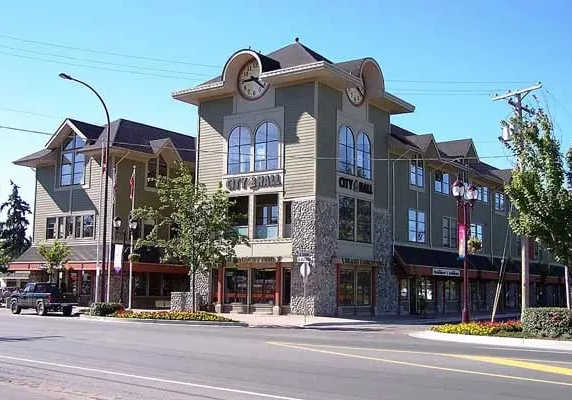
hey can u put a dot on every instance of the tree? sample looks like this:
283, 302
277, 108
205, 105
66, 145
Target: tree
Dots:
13, 230
541, 187
201, 225
4, 260
56, 256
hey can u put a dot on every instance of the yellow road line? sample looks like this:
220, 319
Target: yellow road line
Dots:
410, 364
518, 364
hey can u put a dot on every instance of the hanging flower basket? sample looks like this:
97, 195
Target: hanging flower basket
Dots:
474, 245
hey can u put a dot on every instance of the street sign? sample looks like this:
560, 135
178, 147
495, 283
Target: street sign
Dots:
302, 259
305, 269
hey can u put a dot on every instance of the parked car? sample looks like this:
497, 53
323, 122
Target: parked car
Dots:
43, 297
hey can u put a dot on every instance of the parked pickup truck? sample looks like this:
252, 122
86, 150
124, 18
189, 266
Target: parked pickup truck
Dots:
42, 297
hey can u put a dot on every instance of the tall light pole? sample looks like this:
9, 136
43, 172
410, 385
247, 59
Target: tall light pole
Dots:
104, 165
465, 197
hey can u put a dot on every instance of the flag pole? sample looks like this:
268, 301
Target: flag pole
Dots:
132, 196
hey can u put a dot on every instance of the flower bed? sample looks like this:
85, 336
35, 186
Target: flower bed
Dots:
508, 328
171, 315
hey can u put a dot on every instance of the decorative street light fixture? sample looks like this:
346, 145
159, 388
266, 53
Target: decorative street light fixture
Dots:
104, 166
466, 197
132, 226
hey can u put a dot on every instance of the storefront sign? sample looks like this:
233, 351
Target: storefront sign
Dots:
462, 235
446, 272
355, 185
254, 182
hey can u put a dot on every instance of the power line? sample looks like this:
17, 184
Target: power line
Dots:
105, 62
97, 68
558, 102
28, 112
25, 130
108, 52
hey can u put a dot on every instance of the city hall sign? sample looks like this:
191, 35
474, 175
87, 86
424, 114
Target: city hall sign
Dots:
355, 185
254, 182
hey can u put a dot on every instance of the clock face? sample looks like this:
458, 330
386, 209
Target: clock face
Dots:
249, 85
356, 95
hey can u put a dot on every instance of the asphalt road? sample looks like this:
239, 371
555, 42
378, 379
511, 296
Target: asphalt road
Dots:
67, 358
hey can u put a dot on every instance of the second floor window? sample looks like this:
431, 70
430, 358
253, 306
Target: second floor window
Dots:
363, 159
238, 151
346, 221
156, 167
70, 227
477, 231
483, 194
449, 232
416, 222
266, 147
442, 182
72, 162
346, 150
499, 202
416, 172
363, 231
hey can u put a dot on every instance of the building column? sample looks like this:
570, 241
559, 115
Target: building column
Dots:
277, 289
374, 301
219, 289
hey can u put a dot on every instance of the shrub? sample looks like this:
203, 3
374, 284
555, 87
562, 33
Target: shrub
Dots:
104, 309
480, 328
171, 315
547, 322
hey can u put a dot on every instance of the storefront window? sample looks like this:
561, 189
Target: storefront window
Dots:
346, 287
404, 289
235, 286
175, 283
140, 280
85, 283
263, 286
363, 221
451, 290
214, 285
363, 288
155, 283
266, 217
286, 286
346, 218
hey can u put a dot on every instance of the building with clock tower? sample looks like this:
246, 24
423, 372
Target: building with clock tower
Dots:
293, 137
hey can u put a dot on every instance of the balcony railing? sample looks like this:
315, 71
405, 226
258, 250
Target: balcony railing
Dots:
241, 230
266, 232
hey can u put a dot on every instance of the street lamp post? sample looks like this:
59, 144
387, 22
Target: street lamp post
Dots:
466, 197
132, 226
104, 165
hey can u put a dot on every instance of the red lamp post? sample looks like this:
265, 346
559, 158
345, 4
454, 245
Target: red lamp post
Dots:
466, 197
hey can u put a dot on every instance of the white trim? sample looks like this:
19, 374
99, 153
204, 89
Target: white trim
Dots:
408, 106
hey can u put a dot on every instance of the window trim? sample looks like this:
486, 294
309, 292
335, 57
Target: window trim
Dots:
253, 148
417, 231
64, 218
441, 182
347, 150
368, 171
238, 129
419, 166
453, 227
73, 151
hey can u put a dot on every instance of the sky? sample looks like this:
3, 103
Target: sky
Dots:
447, 57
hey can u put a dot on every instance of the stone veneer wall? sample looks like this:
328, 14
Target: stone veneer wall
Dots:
387, 282
314, 229
183, 301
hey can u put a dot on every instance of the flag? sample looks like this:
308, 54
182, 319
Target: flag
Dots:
132, 185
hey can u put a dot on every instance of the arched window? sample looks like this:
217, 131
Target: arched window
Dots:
72, 163
363, 156
238, 150
346, 150
266, 147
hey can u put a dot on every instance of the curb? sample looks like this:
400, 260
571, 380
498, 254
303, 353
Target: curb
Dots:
162, 321
495, 341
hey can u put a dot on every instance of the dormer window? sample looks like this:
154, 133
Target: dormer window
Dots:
156, 167
72, 162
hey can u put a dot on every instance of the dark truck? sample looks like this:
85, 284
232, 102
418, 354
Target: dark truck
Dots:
42, 297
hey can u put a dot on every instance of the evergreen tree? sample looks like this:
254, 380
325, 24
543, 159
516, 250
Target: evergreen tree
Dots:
13, 237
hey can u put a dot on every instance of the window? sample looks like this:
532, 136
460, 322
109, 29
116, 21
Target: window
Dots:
354, 286
140, 279
60, 228
235, 286
72, 162
441, 182
363, 159
451, 290
346, 150
477, 231
287, 219
88, 225
416, 226
266, 217
51, 228
363, 287
363, 221
346, 218
156, 167
238, 151
266, 147
147, 227
449, 232
346, 287
263, 286
483, 194
499, 201
416, 172
77, 230
239, 212
69, 227
538, 251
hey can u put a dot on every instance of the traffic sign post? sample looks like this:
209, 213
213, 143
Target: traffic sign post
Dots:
304, 271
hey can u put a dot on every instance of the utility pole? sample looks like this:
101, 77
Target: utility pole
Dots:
515, 100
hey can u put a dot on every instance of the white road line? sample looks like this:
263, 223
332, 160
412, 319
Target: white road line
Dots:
520, 349
152, 379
